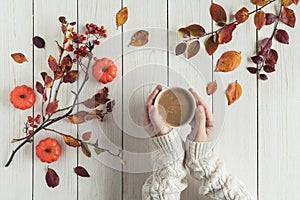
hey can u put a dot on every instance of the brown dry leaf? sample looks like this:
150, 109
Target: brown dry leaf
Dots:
66, 63
287, 2
122, 16
71, 141
260, 2
78, 118
51, 107
19, 57
259, 19
218, 14
86, 150
211, 87
180, 48
233, 92
52, 63
86, 135
229, 61
225, 35
196, 30
52, 178
242, 15
39, 88
139, 38
81, 171
193, 49
288, 17
184, 33
211, 44
71, 76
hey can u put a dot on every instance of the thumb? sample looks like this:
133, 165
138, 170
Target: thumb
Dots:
200, 118
156, 120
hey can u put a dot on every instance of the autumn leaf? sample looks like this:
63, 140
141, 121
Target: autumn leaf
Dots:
225, 35
196, 30
47, 79
110, 105
233, 92
81, 171
252, 70
295, 2
85, 149
287, 2
78, 118
51, 107
139, 38
282, 36
288, 17
38, 42
86, 135
62, 19
71, 141
52, 178
19, 57
211, 44
211, 87
271, 57
193, 49
270, 18
97, 99
39, 87
122, 16
266, 45
260, 2
268, 68
242, 15
257, 59
259, 19
218, 14
184, 33
229, 61
71, 76
263, 77
52, 63
180, 48
66, 63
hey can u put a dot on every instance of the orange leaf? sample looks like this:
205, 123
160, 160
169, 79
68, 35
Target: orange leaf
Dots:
71, 141
288, 17
287, 2
242, 15
260, 2
184, 33
211, 44
51, 107
233, 92
122, 16
229, 61
225, 35
19, 57
87, 135
211, 87
259, 19
218, 14
196, 30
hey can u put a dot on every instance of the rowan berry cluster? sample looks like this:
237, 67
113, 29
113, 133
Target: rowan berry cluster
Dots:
32, 123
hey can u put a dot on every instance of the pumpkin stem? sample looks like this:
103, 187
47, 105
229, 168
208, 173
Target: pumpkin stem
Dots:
22, 96
47, 150
104, 69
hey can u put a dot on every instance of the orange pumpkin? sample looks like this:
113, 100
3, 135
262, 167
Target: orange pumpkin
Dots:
48, 150
22, 97
104, 70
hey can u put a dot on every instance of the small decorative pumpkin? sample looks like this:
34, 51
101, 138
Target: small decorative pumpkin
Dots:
104, 70
48, 150
22, 97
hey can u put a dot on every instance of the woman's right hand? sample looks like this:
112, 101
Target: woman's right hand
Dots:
202, 123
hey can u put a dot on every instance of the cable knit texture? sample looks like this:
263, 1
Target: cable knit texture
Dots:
168, 179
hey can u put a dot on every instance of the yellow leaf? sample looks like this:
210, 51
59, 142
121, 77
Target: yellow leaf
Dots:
260, 2
19, 57
233, 92
229, 61
122, 16
287, 2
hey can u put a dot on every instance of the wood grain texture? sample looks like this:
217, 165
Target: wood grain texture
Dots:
18, 176
47, 26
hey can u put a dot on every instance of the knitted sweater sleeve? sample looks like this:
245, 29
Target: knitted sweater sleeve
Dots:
168, 178
207, 168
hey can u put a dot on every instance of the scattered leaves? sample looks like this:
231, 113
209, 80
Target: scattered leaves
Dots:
71, 76
259, 19
193, 49
288, 17
52, 178
86, 136
196, 30
218, 14
211, 44
211, 87
225, 35
282, 36
19, 57
71, 141
233, 92
229, 61
242, 15
180, 48
51, 107
140, 38
184, 33
86, 150
38, 42
122, 16
81, 171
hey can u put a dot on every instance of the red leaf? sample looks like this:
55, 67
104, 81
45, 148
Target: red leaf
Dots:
52, 63
66, 63
47, 79
295, 2
196, 30
259, 19
51, 107
71, 76
218, 14
39, 87
38, 42
52, 178
266, 44
288, 17
87, 135
272, 55
81, 171
282, 36
252, 70
97, 99
211, 44
225, 35
263, 77
19, 57
270, 18
242, 15
257, 59
268, 68
211, 87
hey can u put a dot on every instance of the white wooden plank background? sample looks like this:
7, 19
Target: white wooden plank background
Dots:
259, 140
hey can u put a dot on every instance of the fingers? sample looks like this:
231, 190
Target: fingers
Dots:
199, 132
158, 123
149, 102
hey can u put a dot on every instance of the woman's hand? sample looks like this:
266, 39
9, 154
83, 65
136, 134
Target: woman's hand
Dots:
153, 122
202, 123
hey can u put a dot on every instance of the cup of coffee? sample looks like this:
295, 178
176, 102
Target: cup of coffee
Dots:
176, 105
